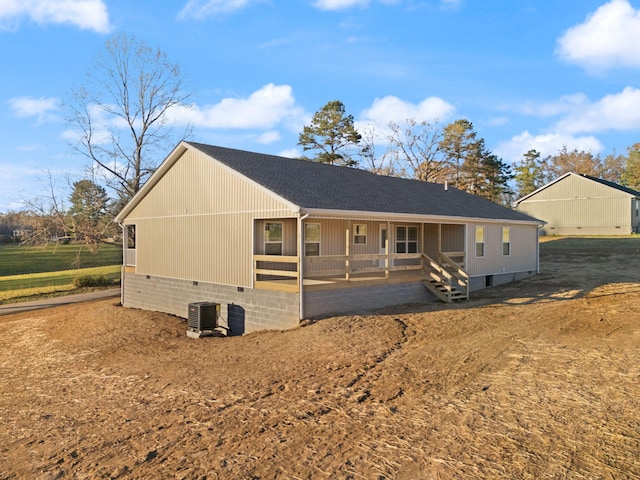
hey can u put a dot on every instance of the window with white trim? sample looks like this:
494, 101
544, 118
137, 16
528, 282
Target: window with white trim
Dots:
273, 238
312, 239
506, 241
406, 239
479, 241
131, 236
359, 234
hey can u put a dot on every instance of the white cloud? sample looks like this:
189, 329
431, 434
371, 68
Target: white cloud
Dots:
565, 104
393, 109
42, 108
547, 144
265, 108
619, 111
290, 153
203, 8
268, 137
85, 14
374, 121
609, 37
498, 121
339, 4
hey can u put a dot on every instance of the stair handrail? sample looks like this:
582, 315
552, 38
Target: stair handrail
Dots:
456, 269
460, 273
437, 271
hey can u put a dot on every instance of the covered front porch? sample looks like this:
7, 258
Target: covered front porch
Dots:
370, 253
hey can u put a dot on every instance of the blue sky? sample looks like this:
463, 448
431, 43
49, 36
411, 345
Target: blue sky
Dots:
528, 74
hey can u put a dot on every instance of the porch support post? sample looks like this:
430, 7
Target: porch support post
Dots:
386, 251
347, 263
439, 240
423, 240
300, 265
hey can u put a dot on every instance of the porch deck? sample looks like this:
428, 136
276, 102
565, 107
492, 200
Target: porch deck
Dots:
325, 282
446, 278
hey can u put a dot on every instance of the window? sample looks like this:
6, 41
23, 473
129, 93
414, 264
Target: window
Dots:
360, 234
506, 241
273, 238
130, 253
131, 236
479, 241
312, 239
406, 239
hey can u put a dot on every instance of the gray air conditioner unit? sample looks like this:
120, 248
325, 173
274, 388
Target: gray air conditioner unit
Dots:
203, 316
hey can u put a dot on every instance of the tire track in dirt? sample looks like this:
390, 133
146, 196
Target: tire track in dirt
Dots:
365, 380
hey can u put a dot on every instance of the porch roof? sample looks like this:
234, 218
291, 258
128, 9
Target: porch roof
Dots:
317, 186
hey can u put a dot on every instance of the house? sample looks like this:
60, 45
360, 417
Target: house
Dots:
576, 204
276, 240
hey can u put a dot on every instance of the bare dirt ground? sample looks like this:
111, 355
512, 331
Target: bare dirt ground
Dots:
538, 379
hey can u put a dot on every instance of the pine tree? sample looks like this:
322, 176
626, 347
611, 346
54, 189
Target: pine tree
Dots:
332, 134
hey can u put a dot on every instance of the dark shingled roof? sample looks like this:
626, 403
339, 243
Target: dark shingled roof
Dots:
313, 185
617, 186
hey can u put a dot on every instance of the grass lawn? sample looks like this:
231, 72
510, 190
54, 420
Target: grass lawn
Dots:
19, 260
29, 273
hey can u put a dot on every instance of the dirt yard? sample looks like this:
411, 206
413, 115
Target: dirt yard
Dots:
539, 379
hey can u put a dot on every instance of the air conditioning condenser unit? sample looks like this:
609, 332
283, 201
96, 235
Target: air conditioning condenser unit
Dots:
203, 318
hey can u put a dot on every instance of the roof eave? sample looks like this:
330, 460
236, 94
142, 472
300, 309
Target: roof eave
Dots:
164, 167
356, 214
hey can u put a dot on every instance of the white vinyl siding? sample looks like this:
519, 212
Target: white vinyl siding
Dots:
523, 246
185, 224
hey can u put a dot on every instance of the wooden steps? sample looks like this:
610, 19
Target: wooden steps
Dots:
446, 279
445, 294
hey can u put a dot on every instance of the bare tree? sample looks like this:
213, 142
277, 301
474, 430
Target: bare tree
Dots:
122, 113
373, 162
47, 214
416, 147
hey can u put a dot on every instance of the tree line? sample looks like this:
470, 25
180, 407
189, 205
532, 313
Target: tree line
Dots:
413, 149
453, 153
88, 219
122, 113
533, 171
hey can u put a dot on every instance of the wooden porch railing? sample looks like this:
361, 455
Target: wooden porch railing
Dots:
281, 272
274, 261
446, 278
354, 264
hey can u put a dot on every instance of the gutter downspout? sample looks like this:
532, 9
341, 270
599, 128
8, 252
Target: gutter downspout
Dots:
301, 266
125, 241
538, 249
